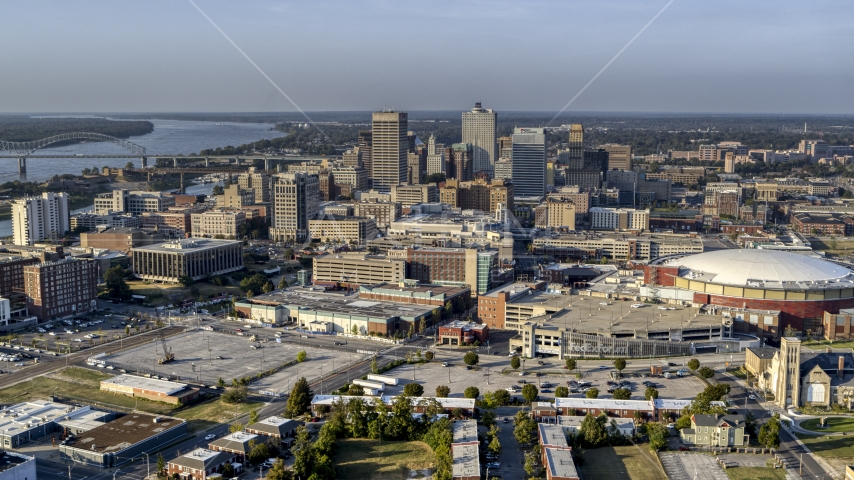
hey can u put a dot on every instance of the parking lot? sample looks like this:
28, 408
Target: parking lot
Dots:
488, 376
78, 333
204, 357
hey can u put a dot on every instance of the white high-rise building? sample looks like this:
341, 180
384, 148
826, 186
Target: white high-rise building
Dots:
296, 199
479, 130
529, 162
35, 219
390, 148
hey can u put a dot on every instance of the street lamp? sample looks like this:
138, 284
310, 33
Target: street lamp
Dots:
147, 466
115, 473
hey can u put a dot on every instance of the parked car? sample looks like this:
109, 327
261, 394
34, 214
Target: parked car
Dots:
210, 436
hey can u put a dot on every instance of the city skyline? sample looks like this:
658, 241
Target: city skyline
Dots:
754, 58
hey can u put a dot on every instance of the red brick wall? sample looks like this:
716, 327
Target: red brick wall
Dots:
791, 312
665, 275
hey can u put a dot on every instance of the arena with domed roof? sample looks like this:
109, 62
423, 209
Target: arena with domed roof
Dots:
800, 287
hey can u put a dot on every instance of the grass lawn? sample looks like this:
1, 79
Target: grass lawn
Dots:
370, 459
628, 461
756, 473
207, 414
833, 425
830, 447
821, 344
837, 245
77, 383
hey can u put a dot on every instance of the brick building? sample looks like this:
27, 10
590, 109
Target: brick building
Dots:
459, 333
62, 288
822, 223
12, 274
198, 464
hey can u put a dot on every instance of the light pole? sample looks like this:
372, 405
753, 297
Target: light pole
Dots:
115, 473
147, 466
321, 379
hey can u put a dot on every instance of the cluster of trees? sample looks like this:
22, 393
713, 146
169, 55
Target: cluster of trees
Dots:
361, 418
25, 129
256, 285
114, 280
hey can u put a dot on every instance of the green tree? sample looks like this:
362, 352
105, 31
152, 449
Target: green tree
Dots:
622, 394
515, 363
279, 472
302, 356
129, 166
220, 382
471, 392
494, 445
268, 287
355, 330
592, 393
161, 463
355, 390
620, 364
185, 280
303, 451
657, 433
693, 364
235, 427
413, 390
114, 280
651, 393
524, 431
258, 451
769, 433
235, 395
530, 392
300, 398
471, 358
706, 372
443, 391
561, 392
488, 418
571, 364
253, 416
254, 284
127, 330
530, 465
374, 367
218, 190
428, 355
683, 422
593, 432
283, 283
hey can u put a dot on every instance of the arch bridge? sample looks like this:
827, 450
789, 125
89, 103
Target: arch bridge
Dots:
23, 149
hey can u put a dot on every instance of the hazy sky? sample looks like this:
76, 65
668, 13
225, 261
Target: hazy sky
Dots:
162, 55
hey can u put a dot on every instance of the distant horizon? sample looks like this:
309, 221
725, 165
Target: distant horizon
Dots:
444, 111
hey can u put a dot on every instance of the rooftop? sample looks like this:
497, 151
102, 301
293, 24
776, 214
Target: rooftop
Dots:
764, 268
765, 353
19, 418
552, 435
275, 425
603, 403
465, 431
187, 245
576, 421
466, 460
11, 459
236, 441
560, 463
151, 384
511, 288
123, 432
336, 303
201, 459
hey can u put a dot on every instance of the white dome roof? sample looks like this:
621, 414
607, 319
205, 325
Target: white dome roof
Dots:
736, 267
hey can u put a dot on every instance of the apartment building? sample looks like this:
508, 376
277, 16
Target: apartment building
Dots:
561, 214
176, 220
134, 202
478, 194
35, 219
12, 274
407, 195
62, 288
715, 430
618, 219
296, 197
643, 247
235, 196
356, 177
217, 223
383, 213
258, 182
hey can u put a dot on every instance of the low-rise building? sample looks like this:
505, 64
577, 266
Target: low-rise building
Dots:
460, 332
275, 427
198, 464
410, 291
618, 219
217, 223
117, 442
837, 326
132, 202
571, 424
354, 269
715, 430
91, 221
24, 422
119, 238
559, 464
382, 213
343, 229
236, 443
14, 466
150, 389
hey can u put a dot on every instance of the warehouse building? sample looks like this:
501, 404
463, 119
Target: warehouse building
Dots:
119, 441
14, 466
197, 258
28, 421
150, 389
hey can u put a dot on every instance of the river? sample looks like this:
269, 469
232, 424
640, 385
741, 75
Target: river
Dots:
169, 137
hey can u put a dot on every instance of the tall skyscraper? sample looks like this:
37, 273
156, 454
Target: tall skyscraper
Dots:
390, 146
479, 131
619, 156
295, 202
529, 162
35, 219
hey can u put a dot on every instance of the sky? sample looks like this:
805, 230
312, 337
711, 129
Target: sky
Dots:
725, 56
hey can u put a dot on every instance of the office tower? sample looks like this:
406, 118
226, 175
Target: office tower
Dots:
295, 202
435, 159
505, 147
35, 219
596, 160
462, 161
573, 156
259, 182
479, 131
503, 169
365, 143
353, 158
529, 162
410, 141
389, 149
619, 156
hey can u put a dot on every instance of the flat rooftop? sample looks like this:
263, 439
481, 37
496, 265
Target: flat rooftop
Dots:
465, 431
552, 435
123, 432
188, 245
560, 463
600, 316
311, 299
11, 460
576, 421
510, 287
600, 403
14, 419
466, 460
164, 387
414, 290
